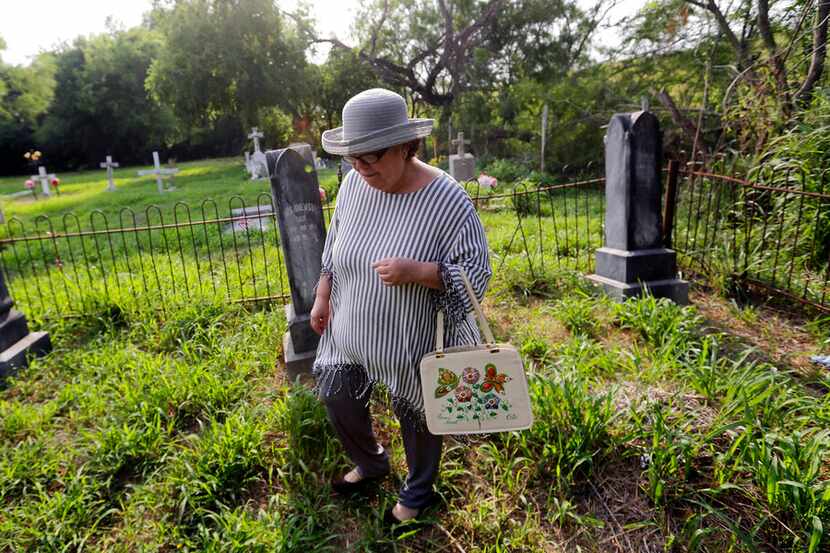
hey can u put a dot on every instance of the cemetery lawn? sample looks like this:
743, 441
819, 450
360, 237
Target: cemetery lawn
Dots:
83, 192
658, 428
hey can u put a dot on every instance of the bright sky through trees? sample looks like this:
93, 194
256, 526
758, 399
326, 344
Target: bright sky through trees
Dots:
36, 25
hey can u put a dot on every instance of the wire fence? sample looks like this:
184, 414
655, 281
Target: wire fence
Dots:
67, 265
776, 237
773, 234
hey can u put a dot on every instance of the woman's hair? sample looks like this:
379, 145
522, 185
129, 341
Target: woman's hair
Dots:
411, 148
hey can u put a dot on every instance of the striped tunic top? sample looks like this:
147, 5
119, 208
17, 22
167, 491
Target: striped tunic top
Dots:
378, 333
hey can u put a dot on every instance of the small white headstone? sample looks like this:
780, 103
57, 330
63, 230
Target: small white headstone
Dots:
159, 173
109, 165
44, 179
462, 164
251, 218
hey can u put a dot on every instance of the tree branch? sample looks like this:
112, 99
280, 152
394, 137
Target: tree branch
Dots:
723, 24
778, 68
805, 92
689, 128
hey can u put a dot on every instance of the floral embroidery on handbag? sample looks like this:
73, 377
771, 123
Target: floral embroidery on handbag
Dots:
472, 400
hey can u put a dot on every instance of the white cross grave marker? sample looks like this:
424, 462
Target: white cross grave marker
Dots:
255, 136
159, 173
460, 142
109, 165
462, 164
44, 179
256, 163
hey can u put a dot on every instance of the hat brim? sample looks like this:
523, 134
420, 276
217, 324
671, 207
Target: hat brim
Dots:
334, 143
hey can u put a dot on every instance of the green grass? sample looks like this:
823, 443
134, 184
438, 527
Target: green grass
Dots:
176, 429
155, 432
83, 192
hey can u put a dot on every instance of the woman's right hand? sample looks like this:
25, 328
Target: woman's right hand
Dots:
320, 314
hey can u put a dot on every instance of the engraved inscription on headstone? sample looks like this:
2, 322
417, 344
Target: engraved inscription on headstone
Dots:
634, 258
296, 194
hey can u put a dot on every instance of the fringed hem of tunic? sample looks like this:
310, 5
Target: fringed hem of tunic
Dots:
331, 378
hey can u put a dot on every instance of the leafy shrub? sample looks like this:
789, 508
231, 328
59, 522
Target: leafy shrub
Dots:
505, 170
535, 348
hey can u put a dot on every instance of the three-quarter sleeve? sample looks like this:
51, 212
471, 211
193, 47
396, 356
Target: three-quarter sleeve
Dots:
469, 252
327, 268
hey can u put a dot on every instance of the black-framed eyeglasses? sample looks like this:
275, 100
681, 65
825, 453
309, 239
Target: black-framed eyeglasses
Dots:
367, 158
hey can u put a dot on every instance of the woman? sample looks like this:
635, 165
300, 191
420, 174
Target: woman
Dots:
400, 236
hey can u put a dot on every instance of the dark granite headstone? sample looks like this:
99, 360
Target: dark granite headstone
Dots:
634, 258
300, 216
16, 343
304, 150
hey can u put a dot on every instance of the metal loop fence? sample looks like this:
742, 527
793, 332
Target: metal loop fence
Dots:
772, 233
67, 265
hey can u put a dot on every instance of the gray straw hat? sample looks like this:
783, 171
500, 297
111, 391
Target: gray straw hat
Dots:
374, 119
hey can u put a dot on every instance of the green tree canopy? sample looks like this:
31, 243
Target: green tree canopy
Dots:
25, 94
226, 59
102, 107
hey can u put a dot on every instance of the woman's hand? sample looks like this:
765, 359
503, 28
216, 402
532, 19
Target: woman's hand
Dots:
321, 310
394, 271
320, 314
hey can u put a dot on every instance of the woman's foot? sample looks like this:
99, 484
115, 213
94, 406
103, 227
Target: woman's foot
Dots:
403, 513
401, 520
353, 482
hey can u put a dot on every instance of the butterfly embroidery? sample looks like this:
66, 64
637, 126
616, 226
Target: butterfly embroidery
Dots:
493, 380
447, 382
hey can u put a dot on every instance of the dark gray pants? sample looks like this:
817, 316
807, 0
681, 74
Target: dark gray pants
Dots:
353, 425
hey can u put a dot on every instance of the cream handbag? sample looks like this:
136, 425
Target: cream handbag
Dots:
474, 389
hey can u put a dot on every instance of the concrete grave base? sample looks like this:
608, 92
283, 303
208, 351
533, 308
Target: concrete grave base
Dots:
17, 356
300, 336
638, 265
296, 364
675, 289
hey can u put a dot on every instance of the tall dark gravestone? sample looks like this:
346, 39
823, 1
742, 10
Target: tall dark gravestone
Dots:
16, 343
295, 190
634, 258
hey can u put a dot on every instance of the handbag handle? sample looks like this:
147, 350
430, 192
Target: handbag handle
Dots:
482, 322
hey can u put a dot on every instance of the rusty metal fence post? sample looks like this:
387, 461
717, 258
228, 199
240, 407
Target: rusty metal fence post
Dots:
670, 203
